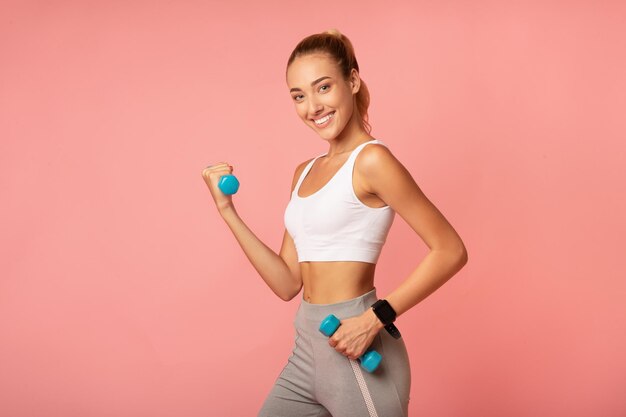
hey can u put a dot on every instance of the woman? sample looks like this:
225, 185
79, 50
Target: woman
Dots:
342, 205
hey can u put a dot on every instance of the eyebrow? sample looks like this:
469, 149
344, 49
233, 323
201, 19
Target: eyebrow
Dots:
312, 84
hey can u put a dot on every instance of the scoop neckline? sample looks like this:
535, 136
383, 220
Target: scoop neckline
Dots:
331, 178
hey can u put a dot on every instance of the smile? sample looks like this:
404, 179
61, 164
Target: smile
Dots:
323, 120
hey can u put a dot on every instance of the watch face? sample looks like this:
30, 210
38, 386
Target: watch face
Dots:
384, 311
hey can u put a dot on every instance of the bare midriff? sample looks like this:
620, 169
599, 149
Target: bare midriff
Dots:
333, 282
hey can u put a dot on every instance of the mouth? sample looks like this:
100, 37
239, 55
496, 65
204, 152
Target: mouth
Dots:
324, 120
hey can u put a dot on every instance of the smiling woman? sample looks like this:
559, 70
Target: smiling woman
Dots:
342, 206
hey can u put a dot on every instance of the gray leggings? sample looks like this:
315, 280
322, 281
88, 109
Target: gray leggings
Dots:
318, 381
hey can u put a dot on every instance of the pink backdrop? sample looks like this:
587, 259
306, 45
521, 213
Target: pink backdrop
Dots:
123, 293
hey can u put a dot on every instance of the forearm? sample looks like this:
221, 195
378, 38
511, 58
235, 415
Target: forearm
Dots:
268, 264
433, 271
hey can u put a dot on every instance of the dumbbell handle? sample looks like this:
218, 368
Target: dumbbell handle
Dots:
369, 360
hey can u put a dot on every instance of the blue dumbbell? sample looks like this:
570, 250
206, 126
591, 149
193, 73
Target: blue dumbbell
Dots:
229, 184
369, 360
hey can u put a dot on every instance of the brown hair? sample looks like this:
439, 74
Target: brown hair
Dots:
339, 47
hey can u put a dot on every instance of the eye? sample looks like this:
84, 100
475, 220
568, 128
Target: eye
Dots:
325, 87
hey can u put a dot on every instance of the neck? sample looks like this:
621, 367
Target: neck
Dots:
352, 136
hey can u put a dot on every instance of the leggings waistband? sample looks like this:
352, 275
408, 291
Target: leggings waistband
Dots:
342, 309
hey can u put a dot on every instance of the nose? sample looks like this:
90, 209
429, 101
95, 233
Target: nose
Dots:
315, 108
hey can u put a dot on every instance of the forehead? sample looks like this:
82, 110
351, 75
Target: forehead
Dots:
305, 69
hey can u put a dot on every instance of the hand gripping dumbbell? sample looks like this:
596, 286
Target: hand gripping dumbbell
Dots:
369, 360
228, 184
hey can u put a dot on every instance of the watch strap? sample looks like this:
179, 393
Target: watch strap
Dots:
393, 330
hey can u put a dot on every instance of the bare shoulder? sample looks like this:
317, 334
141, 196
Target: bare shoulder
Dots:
384, 175
375, 159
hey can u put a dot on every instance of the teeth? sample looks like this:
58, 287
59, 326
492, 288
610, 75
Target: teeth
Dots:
324, 119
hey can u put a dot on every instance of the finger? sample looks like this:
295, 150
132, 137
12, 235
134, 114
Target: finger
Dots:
217, 170
225, 167
217, 165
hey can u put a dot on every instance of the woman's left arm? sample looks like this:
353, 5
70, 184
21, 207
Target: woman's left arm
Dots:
386, 177
390, 181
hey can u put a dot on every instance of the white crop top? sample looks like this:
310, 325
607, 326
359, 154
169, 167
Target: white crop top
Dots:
332, 224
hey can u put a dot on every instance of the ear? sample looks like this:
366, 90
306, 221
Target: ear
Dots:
355, 81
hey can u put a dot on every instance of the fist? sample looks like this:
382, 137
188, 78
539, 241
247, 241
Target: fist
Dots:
211, 176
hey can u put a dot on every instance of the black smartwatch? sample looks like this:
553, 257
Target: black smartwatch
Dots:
387, 315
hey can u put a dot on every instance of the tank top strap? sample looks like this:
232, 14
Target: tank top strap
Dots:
357, 150
305, 171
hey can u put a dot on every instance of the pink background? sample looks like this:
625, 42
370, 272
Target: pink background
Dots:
123, 293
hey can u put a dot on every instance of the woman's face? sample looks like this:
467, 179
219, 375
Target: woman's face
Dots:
317, 90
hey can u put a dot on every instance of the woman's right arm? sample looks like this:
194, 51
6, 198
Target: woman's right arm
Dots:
281, 272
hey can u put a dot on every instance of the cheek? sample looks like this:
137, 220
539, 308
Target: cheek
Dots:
300, 112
